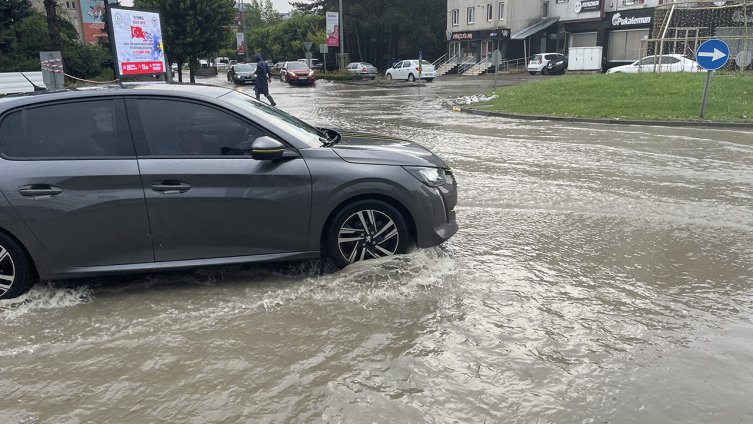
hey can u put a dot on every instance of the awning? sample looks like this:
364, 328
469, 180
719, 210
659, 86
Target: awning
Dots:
533, 29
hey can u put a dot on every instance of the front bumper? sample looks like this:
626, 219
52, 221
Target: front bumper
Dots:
301, 79
438, 205
245, 80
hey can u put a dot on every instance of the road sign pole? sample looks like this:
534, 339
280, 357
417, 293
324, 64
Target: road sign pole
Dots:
706, 93
496, 72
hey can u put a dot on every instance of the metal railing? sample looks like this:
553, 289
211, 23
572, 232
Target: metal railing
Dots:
437, 63
511, 64
469, 63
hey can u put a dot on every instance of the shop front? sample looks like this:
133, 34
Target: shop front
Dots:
625, 31
474, 46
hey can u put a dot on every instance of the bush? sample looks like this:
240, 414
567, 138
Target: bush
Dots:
339, 75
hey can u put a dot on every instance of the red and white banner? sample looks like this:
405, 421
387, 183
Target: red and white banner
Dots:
131, 68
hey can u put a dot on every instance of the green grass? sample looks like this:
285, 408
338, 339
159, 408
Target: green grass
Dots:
670, 97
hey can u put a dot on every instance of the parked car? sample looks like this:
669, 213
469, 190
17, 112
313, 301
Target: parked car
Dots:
557, 65
669, 63
540, 61
242, 74
364, 69
297, 73
315, 64
200, 175
408, 70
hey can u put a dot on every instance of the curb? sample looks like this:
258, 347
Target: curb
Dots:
708, 124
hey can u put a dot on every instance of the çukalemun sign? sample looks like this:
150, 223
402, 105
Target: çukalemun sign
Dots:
136, 39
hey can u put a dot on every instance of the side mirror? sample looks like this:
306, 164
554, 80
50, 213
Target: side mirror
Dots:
267, 148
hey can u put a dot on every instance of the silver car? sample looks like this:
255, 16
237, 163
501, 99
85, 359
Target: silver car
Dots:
364, 69
156, 177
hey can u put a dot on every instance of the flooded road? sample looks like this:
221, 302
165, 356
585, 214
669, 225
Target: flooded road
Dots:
601, 273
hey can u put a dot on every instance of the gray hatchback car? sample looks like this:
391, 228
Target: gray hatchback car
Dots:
157, 177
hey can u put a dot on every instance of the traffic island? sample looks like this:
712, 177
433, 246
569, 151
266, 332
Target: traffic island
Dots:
666, 99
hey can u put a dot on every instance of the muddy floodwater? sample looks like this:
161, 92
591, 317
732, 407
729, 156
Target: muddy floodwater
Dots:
601, 273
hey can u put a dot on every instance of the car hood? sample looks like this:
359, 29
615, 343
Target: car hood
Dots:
375, 149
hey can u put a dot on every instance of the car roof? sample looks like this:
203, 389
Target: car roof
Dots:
175, 89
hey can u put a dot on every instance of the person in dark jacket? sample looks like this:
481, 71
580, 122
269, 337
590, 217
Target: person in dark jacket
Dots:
263, 78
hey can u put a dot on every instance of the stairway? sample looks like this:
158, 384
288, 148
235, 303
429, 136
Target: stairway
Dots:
478, 69
446, 68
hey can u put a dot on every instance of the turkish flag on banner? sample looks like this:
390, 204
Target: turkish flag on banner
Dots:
137, 32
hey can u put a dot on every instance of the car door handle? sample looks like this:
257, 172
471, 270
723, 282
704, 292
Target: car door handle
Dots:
171, 187
38, 190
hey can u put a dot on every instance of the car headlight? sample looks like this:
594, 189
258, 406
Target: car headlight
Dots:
432, 177
311, 74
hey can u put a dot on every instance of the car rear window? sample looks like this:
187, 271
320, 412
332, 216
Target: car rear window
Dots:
66, 130
537, 57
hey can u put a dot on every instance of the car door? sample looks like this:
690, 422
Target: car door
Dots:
396, 70
405, 70
205, 197
69, 169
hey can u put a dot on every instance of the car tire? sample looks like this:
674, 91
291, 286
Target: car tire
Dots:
389, 77
532, 73
386, 233
15, 276
429, 79
411, 78
545, 71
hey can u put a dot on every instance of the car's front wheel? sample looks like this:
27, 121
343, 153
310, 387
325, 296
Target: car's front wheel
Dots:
15, 278
389, 77
366, 229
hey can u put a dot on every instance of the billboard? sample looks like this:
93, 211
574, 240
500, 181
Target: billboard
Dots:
333, 29
136, 38
239, 39
93, 19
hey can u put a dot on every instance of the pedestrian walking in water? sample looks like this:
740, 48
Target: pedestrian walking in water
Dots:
263, 78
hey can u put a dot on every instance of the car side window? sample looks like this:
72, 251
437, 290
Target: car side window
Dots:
647, 61
84, 129
670, 60
176, 128
406, 64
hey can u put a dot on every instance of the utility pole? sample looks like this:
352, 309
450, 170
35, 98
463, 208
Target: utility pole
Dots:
340, 36
245, 40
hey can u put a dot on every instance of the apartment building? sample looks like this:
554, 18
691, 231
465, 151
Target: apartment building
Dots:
476, 28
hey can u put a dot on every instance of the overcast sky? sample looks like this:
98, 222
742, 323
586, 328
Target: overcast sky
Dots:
281, 5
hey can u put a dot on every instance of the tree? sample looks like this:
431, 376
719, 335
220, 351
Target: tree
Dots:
56, 43
192, 29
11, 12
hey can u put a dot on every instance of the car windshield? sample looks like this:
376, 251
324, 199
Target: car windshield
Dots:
305, 132
245, 68
297, 66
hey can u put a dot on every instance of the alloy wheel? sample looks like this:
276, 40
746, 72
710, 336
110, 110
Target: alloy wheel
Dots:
368, 234
7, 271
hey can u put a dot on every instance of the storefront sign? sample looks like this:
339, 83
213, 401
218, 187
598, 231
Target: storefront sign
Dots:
586, 6
462, 36
618, 20
136, 37
496, 33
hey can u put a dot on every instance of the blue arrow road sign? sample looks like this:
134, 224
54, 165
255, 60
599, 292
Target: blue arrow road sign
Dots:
712, 54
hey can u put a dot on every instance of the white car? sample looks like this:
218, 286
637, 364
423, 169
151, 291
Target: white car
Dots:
539, 62
408, 70
669, 63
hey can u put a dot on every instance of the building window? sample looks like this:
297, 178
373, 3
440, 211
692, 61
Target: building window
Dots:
70, 5
456, 17
471, 15
501, 11
74, 21
489, 12
545, 10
